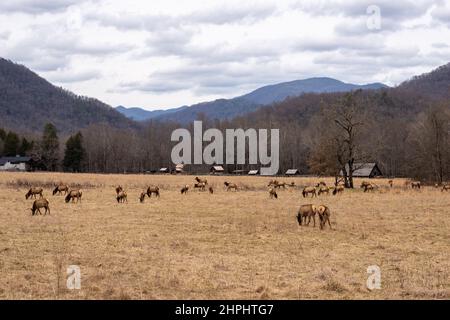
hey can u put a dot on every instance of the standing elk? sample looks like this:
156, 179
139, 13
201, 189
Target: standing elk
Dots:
60, 189
324, 216
38, 205
415, 184
185, 189
309, 190
74, 194
391, 183
142, 196
201, 186
119, 189
33, 192
338, 190
368, 187
211, 190
321, 184
151, 190
122, 197
306, 211
199, 180
230, 186
273, 193
446, 187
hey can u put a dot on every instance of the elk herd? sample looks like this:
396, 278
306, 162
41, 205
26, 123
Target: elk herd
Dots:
304, 214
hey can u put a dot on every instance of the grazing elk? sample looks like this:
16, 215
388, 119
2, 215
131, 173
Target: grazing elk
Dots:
122, 197
185, 189
211, 190
33, 192
151, 190
119, 189
309, 190
273, 193
415, 184
201, 186
306, 211
74, 194
199, 180
338, 190
368, 187
391, 183
230, 186
446, 187
324, 216
38, 205
323, 189
60, 189
364, 184
321, 184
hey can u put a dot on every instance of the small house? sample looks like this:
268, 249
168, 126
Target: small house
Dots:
217, 170
365, 170
17, 163
253, 172
292, 172
164, 170
179, 168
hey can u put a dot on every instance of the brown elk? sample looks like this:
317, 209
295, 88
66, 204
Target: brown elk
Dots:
309, 190
306, 211
119, 189
323, 189
74, 194
230, 186
201, 186
199, 180
324, 216
273, 193
391, 183
60, 189
338, 190
122, 197
211, 190
415, 184
368, 187
38, 205
321, 184
33, 192
151, 190
446, 187
142, 196
364, 184
185, 189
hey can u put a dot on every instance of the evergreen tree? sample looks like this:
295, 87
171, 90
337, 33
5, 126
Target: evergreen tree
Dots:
74, 153
25, 147
50, 147
11, 146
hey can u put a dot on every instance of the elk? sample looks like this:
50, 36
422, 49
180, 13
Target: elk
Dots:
211, 190
74, 194
38, 205
272, 183
280, 185
391, 183
368, 187
201, 180
33, 192
309, 190
119, 189
321, 184
445, 187
142, 196
230, 186
324, 216
122, 197
323, 190
60, 189
185, 189
338, 189
306, 211
200, 185
415, 184
364, 184
151, 190
273, 193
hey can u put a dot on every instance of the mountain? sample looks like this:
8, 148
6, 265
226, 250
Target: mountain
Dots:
239, 106
28, 102
139, 114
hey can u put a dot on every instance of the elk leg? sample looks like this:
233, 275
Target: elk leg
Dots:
314, 219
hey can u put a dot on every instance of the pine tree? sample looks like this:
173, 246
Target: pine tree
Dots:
11, 147
74, 153
50, 147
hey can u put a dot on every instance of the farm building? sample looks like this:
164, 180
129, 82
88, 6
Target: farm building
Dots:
365, 170
253, 172
292, 172
217, 170
179, 168
14, 163
164, 170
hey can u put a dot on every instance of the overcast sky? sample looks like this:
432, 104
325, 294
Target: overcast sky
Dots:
161, 54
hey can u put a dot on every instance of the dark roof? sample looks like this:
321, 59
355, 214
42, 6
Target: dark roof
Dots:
14, 160
364, 169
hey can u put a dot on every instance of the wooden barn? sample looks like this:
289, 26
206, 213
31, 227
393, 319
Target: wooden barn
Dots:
365, 170
216, 170
292, 172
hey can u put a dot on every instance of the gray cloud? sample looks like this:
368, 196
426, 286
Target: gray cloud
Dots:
35, 6
71, 76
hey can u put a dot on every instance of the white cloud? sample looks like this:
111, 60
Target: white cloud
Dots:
171, 53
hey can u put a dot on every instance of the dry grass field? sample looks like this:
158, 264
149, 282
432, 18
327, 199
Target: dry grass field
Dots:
229, 245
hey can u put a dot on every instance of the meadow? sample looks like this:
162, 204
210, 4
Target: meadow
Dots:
226, 245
